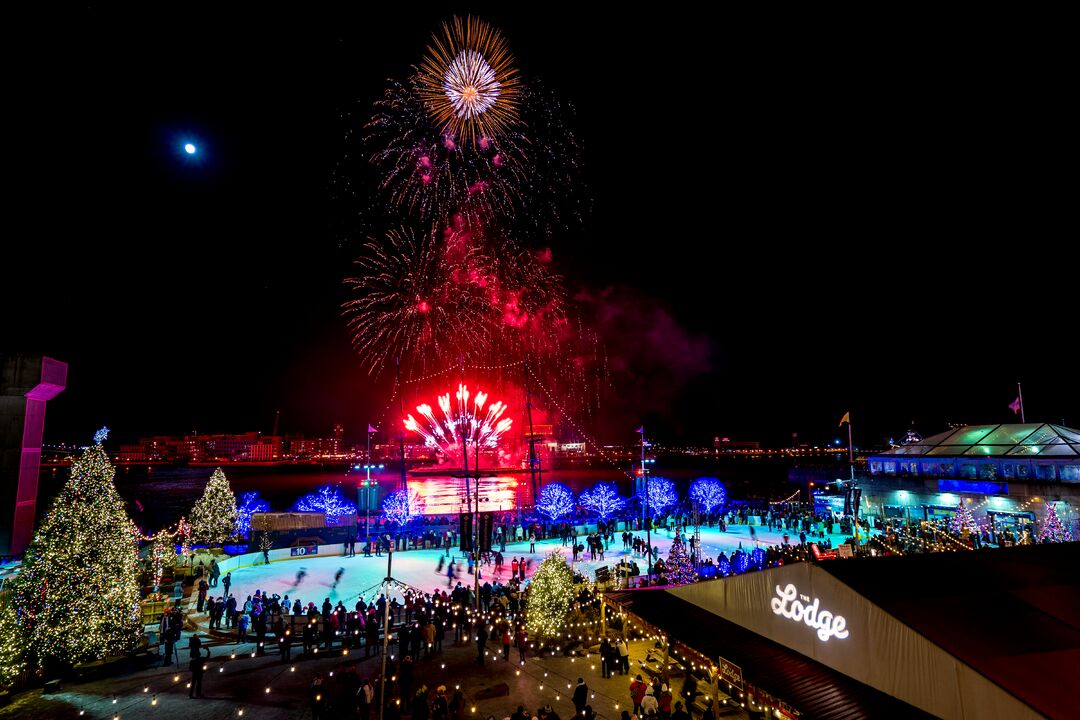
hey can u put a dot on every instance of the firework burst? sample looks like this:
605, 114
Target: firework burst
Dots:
409, 305
424, 170
468, 82
459, 421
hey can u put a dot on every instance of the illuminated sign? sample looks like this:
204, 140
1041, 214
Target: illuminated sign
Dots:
304, 550
804, 611
730, 673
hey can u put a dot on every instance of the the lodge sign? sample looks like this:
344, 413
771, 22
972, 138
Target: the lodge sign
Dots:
799, 608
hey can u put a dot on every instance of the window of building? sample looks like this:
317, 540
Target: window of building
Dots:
1045, 471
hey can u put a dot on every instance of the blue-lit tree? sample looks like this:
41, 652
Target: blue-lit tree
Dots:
402, 506
250, 503
555, 500
603, 499
709, 493
662, 495
740, 561
327, 500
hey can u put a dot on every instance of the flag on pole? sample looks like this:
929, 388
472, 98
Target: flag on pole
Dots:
640, 429
845, 419
1015, 406
371, 429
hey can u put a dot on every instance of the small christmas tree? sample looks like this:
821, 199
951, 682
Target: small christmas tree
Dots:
679, 569
962, 520
162, 556
77, 598
551, 593
213, 520
1052, 530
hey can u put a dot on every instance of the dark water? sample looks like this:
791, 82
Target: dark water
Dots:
166, 493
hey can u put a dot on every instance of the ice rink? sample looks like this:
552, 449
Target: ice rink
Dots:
417, 568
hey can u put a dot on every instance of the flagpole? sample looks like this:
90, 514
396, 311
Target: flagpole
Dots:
1020, 394
850, 450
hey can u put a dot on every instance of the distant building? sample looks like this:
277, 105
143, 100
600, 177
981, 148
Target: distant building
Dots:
27, 382
723, 444
243, 447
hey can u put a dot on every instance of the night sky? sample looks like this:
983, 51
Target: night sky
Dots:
809, 214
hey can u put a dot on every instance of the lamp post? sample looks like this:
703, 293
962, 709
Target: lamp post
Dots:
645, 505
386, 630
370, 495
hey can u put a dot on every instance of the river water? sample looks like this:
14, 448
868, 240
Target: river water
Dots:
166, 493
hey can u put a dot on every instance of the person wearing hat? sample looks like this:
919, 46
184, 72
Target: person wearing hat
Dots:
638, 688
439, 708
665, 702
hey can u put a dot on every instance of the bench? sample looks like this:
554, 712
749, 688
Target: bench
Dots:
152, 611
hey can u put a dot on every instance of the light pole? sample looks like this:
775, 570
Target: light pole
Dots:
386, 630
369, 492
645, 506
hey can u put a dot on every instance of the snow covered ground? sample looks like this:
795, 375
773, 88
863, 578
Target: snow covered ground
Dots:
417, 568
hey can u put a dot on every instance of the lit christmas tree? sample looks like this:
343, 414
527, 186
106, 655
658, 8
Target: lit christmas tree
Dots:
12, 645
162, 556
555, 500
678, 568
77, 597
603, 499
213, 520
402, 506
551, 593
962, 520
1052, 530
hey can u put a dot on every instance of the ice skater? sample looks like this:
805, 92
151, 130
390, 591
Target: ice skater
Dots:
300, 575
337, 577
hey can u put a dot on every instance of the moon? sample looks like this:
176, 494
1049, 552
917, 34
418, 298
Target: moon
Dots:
189, 149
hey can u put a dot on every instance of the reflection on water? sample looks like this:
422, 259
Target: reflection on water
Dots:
166, 493
443, 495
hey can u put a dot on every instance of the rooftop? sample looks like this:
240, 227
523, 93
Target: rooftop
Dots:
1013, 439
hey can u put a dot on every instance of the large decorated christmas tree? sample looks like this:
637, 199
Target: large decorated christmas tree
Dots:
678, 569
551, 594
213, 520
77, 598
1052, 530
